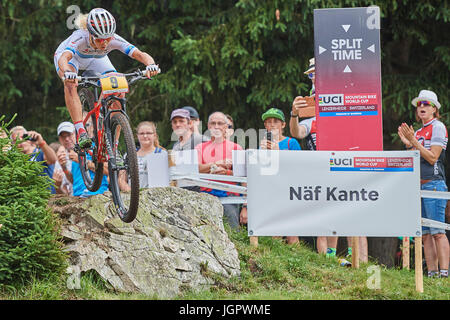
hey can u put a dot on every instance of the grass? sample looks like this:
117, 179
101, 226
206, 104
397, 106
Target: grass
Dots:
273, 270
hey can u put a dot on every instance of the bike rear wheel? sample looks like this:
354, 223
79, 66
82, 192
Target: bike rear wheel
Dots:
123, 166
92, 181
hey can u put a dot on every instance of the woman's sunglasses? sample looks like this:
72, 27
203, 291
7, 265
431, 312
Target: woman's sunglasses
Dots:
425, 103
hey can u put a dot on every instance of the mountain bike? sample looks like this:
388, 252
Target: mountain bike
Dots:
112, 137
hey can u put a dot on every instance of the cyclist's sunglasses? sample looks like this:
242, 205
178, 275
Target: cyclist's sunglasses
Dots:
425, 103
311, 75
101, 40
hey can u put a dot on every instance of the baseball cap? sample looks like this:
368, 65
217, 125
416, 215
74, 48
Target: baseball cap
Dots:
180, 113
66, 126
273, 113
193, 113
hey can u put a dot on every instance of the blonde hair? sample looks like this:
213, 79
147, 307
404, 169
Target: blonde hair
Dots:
81, 21
153, 125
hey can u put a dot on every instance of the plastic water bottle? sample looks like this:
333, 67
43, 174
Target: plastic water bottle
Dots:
344, 263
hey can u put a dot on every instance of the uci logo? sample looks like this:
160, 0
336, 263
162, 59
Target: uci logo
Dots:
331, 99
343, 162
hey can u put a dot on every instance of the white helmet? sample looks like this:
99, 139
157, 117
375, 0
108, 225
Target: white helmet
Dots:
100, 23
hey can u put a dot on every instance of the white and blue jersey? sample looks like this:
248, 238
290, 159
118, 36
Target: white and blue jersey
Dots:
85, 57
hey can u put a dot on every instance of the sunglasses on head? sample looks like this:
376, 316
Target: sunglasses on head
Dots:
311, 75
425, 103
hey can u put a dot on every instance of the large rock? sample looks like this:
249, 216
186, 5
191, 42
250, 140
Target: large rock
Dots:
176, 237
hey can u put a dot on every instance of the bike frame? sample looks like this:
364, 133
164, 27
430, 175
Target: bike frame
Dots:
102, 112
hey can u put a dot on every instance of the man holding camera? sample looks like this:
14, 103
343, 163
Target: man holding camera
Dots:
33, 144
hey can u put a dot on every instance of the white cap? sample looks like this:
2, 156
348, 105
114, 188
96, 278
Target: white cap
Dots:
66, 127
426, 95
312, 66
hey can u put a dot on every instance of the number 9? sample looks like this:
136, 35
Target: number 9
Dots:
114, 83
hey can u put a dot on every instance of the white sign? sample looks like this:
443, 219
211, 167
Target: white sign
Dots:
333, 193
158, 170
186, 162
239, 165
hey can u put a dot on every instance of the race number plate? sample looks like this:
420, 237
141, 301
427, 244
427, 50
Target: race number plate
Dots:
114, 83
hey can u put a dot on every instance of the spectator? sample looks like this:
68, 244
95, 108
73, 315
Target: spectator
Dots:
149, 144
66, 137
34, 145
195, 119
215, 157
7, 144
63, 186
431, 141
182, 127
274, 122
306, 129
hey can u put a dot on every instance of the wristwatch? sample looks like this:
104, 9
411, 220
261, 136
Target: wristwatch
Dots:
294, 116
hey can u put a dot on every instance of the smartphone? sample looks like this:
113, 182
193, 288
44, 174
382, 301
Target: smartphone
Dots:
269, 136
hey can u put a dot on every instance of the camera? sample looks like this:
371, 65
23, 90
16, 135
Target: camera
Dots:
26, 136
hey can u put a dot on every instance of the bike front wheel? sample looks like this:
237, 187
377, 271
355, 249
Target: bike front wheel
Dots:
123, 168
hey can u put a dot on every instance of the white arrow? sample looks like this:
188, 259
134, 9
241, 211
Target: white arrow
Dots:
322, 49
347, 69
371, 48
346, 27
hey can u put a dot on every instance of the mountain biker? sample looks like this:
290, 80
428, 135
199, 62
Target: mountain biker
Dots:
87, 49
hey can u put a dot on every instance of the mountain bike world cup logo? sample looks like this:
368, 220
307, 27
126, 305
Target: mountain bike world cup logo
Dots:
340, 162
331, 100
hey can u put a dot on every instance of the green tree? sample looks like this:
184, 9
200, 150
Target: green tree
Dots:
29, 240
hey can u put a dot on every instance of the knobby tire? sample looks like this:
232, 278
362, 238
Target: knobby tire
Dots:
120, 122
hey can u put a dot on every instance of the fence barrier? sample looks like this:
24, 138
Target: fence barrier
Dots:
211, 181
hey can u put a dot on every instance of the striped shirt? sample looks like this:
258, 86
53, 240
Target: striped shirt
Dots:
433, 133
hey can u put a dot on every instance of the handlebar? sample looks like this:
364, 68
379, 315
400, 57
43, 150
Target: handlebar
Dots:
93, 81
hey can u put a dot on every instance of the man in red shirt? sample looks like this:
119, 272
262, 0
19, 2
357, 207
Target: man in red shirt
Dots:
215, 157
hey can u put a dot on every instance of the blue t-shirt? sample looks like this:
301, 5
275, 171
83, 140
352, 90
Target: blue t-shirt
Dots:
289, 144
79, 188
38, 156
